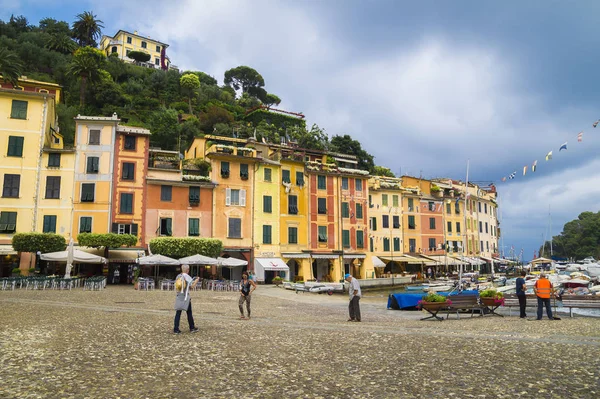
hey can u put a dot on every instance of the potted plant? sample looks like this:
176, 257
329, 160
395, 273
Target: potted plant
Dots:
16, 272
277, 281
136, 276
31, 271
491, 298
433, 301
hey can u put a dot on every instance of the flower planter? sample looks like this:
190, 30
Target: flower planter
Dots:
433, 306
492, 301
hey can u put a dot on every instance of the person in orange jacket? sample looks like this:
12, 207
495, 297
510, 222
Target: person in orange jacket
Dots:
543, 291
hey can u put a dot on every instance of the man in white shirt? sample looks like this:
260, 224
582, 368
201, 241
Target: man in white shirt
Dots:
183, 296
354, 291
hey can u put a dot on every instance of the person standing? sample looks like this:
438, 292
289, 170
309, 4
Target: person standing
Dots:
429, 273
521, 288
247, 286
117, 275
354, 305
543, 290
183, 283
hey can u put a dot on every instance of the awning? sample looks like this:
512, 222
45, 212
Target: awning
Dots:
399, 258
377, 262
445, 260
355, 256
124, 256
7, 249
421, 260
271, 264
78, 257
295, 255
325, 256
231, 262
198, 260
158, 260
489, 260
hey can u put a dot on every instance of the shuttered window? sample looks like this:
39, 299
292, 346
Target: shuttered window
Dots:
85, 224
53, 187
18, 110
54, 160
11, 187
126, 205
346, 238
49, 224
292, 204
15, 146
322, 206
235, 228
267, 204
292, 235
267, 234
92, 164
166, 193
194, 195
323, 234
128, 172
8, 222
87, 192
194, 227
345, 210
360, 241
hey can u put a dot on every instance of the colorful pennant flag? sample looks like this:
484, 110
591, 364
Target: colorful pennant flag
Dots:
534, 166
549, 156
596, 123
512, 175
580, 137
504, 178
524, 170
563, 147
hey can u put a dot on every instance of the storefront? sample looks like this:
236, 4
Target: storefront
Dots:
9, 259
266, 269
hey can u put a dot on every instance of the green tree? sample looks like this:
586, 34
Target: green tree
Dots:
271, 99
213, 115
87, 29
579, 239
19, 23
189, 84
205, 78
10, 66
382, 171
245, 78
315, 138
164, 125
54, 27
182, 247
189, 130
106, 241
61, 43
87, 63
347, 145
139, 56
43, 242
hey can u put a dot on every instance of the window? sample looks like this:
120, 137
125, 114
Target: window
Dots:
285, 176
85, 224
128, 40
323, 234
432, 223
235, 228
358, 184
385, 221
480, 227
384, 200
126, 205
128, 171
359, 211
344, 183
457, 208
411, 222
267, 174
346, 238
92, 165
193, 227
486, 227
292, 204
144, 45
292, 235
129, 143
431, 206
487, 246
11, 186
373, 223
127, 52
53, 187
455, 246
484, 208
449, 227
386, 244
244, 171
396, 222
411, 205
15, 146
8, 222
194, 195
299, 179
225, 169
267, 204
360, 239
166, 193
158, 49
18, 110
432, 244
166, 227
395, 201
321, 182
157, 61
412, 245
113, 49
479, 206
396, 244
266, 234
345, 210
371, 244
235, 197
458, 227
370, 201
87, 192
94, 138
481, 242
49, 224
322, 206
54, 160
448, 209
121, 228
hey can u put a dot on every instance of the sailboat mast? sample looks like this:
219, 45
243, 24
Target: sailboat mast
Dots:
465, 228
550, 219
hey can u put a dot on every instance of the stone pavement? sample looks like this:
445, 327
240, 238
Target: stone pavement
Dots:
118, 343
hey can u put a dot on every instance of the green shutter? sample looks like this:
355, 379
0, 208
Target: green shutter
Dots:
169, 227
396, 244
194, 227
266, 234
345, 210
386, 244
19, 109
15, 146
359, 211
321, 182
267, 204
346, 238
359, 239
384, 199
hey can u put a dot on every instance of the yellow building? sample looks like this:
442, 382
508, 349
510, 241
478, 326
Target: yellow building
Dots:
123, 42
94, 167
28, 116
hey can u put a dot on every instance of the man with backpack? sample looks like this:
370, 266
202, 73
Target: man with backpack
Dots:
183, 283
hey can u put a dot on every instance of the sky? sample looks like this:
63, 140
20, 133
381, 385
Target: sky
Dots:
425, 86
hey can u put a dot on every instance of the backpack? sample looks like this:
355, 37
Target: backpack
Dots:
180, 283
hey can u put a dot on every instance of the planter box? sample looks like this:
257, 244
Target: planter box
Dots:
433, 306
491, 301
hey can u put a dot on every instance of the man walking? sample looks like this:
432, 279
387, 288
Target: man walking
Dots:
183, 283
521, 288
543, 290
354, 291
247, 286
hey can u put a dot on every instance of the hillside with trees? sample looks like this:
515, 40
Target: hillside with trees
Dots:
579, 239
176, 106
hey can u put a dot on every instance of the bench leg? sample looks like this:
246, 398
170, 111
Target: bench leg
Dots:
571, 312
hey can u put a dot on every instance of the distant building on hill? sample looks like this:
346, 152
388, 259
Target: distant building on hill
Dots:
123, 42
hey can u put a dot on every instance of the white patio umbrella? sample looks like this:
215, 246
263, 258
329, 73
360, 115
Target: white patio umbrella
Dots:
199, 260
231, 263
70, 256
157, 260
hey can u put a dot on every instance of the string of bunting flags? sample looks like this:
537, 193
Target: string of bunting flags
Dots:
548, 156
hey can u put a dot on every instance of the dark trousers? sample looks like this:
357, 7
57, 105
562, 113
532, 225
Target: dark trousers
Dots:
354, 308
189, 317
522, 304
541, 303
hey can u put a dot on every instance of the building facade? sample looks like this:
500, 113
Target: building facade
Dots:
123, 42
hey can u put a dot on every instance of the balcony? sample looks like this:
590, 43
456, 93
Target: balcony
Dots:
232, 150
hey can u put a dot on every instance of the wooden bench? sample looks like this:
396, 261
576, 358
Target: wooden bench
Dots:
463, 302
512, 300
581, 302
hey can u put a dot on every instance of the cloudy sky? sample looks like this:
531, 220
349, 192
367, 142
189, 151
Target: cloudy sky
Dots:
425, 86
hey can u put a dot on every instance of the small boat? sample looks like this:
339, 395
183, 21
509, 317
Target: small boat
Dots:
576, 282
322, 288
421, 287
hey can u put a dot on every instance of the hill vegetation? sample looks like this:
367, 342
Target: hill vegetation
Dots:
579, 239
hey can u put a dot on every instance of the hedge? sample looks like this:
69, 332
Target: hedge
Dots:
182, 247
43, 242
109, 240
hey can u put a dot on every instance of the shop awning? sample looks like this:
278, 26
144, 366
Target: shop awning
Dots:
290, 255
325, 256
6, 249
421, 260
231, 262
489, 260
355, 256
124, 256
276, 264
377, 262
399, 258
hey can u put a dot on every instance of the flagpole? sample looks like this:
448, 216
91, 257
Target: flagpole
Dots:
460, 270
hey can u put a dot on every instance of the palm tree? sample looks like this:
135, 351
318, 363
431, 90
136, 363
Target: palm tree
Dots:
87, 29
61, 43
10, 66
87, 62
